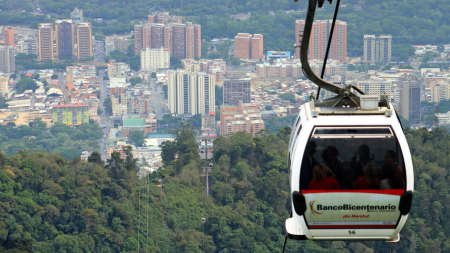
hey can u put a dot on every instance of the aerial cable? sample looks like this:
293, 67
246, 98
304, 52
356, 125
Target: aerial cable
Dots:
329, 44
285, 240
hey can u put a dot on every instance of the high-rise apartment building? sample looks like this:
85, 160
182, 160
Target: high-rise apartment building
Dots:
247, 46
257, 46
138, 38
45, 31
65, 40
179, 41
7, 60
191, 93
4, 89
439, 91
377, 49
182, 40
384, 48
236, 90
319, 39
84, 41
153, 59
8, 33
410, 98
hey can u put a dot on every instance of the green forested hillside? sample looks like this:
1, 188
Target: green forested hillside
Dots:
66, 140
59, 206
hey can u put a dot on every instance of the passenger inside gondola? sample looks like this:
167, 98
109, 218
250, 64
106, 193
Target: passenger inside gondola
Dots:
320, 179
330, 156
370, 168
360, 159
393, 173
308, 164
369, 180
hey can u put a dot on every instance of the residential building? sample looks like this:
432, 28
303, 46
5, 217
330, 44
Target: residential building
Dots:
236, 91
164, 17
7, 60
410, 94
138, 39
28, 46
190, 93
153, 59
116, 42
242, 46
182, 40
71, 115
65, 41
319, 40
4, 89
117, 85
439, 91
257, 46
84, 41
117, 68
45, 31
216, 67
209, 120
376, 87
119, 110
244, 117
377, 49
8, 34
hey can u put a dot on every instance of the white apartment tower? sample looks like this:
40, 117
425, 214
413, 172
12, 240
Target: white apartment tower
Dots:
7, 60
377, 49
153, 59
191, 93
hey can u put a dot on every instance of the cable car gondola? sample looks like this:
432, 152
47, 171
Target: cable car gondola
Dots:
351, 173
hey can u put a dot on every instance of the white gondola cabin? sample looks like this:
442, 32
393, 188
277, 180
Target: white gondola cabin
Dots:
355, 203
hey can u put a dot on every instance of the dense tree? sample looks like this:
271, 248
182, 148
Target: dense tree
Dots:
137, 137
135, 80
26, 84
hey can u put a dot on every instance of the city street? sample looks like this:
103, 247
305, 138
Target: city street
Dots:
104, 118
158, 101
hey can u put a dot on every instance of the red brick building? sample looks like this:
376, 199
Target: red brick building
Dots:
319, 40
247, 46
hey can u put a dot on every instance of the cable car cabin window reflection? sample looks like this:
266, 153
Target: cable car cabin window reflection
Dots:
352, 159
352, 177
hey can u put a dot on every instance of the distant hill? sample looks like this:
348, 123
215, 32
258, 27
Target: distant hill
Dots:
409, 22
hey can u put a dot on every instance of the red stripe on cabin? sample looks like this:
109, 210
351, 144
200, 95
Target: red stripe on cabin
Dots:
351, 226
386, 192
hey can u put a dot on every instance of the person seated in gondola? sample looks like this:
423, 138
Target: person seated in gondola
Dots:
393, 172
308, 162
320, 179
330, 156
359, 160
369, 181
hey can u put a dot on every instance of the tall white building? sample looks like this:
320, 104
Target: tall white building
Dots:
377, 49
376, 87
153, 59
4, 90
191, 93
7, 60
